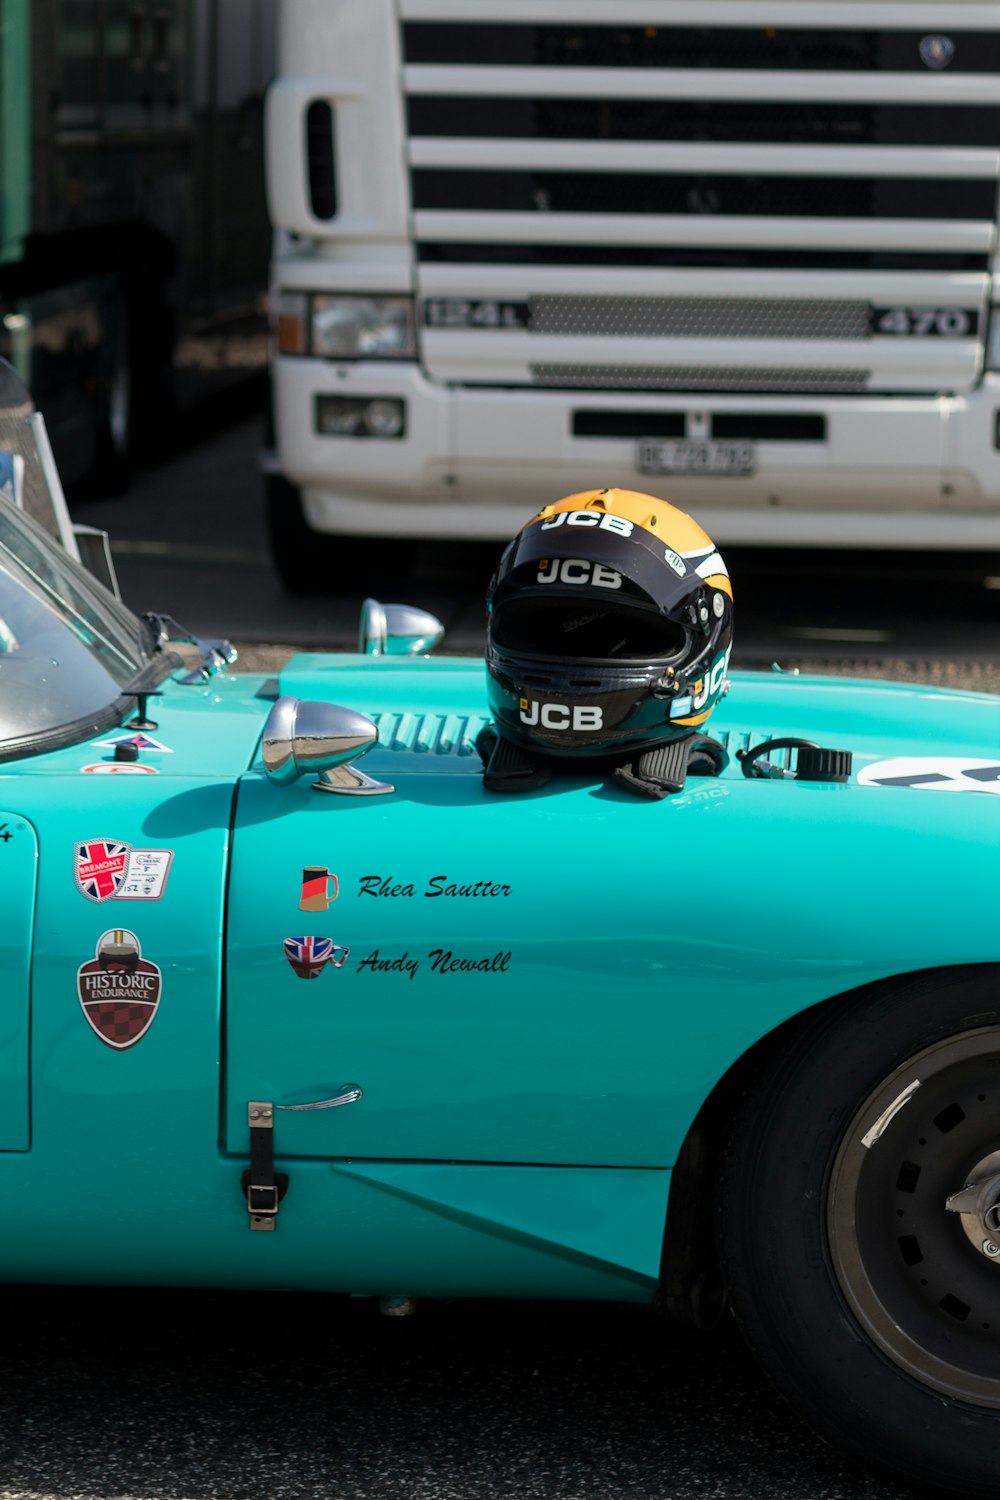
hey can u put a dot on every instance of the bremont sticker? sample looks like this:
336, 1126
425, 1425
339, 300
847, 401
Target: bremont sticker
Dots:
934, 773
99, 868
109, 870
119, 990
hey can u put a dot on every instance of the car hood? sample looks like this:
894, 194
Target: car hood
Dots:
429, 712
208, 732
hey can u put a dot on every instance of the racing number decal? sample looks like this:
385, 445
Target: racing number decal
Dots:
941, 773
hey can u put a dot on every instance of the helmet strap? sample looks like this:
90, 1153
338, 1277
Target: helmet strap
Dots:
508, 768
653, 774
662, 771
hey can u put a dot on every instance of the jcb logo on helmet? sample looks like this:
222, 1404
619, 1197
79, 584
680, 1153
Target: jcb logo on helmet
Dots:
618, 525
718, 674
577, 570
561, 715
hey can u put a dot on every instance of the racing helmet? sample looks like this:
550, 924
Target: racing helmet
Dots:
610, 627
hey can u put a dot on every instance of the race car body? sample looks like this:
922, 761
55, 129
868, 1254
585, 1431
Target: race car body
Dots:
275, 1019
489, 1011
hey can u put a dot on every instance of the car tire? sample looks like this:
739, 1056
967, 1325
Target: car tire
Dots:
873, 1307
310, 563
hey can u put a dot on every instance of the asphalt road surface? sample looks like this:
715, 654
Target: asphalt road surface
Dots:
194, 1395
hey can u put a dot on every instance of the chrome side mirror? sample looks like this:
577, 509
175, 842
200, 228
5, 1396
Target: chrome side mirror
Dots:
397, 630
300, 738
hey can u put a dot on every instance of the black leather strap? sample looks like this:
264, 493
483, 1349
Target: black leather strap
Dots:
663, 771
260, 1183
508, 768
660, 772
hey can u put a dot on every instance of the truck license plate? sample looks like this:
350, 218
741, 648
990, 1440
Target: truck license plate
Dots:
689, 456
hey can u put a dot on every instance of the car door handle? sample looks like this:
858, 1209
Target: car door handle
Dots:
349, 1093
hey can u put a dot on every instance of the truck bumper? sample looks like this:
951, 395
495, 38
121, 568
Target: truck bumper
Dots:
474, 463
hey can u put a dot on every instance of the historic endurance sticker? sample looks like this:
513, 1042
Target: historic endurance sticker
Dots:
119, 990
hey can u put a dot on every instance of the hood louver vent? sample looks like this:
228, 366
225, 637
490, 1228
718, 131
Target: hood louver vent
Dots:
429, 734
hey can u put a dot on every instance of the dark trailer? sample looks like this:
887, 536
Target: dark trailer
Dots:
133, 231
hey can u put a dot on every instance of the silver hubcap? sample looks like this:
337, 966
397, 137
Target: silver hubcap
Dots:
913, 1217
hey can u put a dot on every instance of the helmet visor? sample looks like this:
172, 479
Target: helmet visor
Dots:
585, 629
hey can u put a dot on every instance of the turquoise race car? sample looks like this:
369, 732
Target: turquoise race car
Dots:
375, 978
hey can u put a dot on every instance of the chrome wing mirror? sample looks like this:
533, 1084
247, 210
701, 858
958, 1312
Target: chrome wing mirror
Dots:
397, 630
301, 738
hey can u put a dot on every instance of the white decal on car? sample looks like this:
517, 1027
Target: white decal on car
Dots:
934, 773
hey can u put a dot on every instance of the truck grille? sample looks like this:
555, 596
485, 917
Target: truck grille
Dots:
853, 124
591, 192
860, 156
695, 378
701, 317
737, 48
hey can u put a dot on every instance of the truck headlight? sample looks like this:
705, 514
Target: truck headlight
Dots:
360, 416
363, 327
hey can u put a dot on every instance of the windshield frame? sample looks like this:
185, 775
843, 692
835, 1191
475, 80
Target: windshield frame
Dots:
119, 642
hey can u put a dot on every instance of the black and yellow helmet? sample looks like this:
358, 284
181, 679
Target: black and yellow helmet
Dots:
610, 627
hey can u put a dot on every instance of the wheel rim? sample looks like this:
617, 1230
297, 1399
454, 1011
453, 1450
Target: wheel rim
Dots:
914, 1189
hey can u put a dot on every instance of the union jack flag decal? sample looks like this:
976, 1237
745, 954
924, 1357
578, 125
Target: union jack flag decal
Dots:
307, 955
99, 867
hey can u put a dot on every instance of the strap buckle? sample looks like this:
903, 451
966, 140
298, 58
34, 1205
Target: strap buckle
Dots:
264, 1187
255, 1203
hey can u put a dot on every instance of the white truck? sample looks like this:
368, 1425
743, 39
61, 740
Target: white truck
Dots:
738, 253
